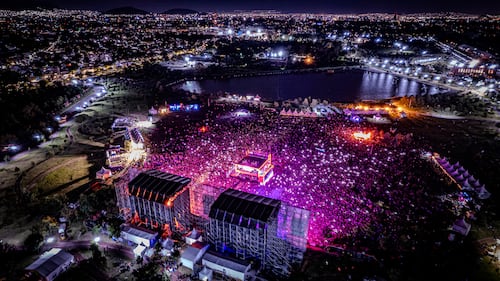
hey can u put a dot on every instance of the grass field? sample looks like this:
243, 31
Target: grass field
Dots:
57, 173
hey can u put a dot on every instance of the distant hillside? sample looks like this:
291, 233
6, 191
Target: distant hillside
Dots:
20, 5
180, 12
126, 11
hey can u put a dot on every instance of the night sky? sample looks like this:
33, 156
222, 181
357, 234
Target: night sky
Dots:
327, 6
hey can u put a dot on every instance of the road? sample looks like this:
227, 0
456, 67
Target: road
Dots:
93, 93
125, 251
478, 93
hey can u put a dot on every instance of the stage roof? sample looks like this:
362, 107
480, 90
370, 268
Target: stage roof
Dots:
254, 161
157, 186
244, 209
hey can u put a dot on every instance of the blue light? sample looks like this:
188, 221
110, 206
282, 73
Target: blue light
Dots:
355, 118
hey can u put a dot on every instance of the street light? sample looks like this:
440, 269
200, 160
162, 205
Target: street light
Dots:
97, 239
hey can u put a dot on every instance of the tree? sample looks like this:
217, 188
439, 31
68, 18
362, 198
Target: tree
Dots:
33, 241
147, 272
114, 226
97, 257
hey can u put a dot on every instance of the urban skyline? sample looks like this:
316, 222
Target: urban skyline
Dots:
314, 6
251, 144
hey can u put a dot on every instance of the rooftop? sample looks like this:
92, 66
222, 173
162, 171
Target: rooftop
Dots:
226, 261
253, 160
244, 209
157, 186
139, 232
50, 261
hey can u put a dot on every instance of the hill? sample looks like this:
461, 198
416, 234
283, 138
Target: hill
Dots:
180, 12
126, 11
26, 5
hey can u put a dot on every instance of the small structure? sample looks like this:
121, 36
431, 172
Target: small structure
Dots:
153, 111
256, 167
49, 265
168, 244
115, 157
228, 266
193, 254
193, 236
133, 139
206, 274
139, 235
461, 226
241, 113
103, 174
482, 193
139, 250
121, 124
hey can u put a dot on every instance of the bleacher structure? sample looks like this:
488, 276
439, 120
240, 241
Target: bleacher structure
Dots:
254, 227
156, 199
237, 224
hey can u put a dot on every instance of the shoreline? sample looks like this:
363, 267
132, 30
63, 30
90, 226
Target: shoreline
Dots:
343, 69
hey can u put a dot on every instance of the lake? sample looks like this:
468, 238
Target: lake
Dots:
346, 86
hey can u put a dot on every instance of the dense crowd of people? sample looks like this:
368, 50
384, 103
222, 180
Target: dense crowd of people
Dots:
362, 194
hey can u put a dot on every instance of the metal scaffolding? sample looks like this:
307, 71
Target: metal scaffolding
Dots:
254, 227
156, 199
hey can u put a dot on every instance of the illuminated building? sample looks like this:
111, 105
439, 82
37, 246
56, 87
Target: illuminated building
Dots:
474, 71
255, 167
115, 157
133, 139
250, 226
155, 199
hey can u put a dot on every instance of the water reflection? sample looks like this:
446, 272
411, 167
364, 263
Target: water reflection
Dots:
341, 87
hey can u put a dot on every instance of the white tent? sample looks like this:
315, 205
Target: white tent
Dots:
103, 174
476, 183
482, 193
461, 226
139, 250
206, 274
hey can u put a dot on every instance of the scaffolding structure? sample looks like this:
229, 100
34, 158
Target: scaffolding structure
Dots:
250, 226
202, 197
155, 199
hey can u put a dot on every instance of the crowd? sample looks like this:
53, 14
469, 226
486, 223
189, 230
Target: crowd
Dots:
362, 194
